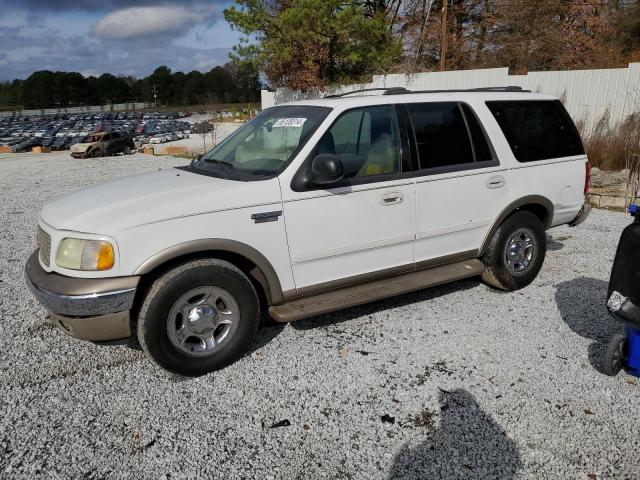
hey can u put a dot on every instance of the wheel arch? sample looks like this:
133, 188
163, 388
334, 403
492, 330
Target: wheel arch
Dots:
540, 206
243, 256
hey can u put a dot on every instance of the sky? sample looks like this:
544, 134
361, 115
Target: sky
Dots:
112, 36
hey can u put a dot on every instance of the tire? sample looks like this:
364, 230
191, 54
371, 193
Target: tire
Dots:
178, 342
516, 252
614, 357
126, 150
95, 153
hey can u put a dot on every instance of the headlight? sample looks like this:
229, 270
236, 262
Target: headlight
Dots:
77, 254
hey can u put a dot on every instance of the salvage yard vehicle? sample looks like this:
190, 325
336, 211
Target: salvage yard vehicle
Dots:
102, 144
312, 207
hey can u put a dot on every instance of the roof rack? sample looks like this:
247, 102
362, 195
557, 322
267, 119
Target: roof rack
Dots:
404, 91
511, 88
387, 91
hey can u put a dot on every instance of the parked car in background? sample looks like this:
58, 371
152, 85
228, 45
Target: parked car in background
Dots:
26, 145
59, 143
103, 144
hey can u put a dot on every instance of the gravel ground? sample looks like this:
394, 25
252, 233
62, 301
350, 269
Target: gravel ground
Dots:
454, 382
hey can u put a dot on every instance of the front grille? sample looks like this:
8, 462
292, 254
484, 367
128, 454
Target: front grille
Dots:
44, 242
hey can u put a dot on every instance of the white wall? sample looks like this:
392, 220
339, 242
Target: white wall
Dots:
587, 94
114, 107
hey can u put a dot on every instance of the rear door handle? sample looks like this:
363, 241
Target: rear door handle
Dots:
496, 181
392, 198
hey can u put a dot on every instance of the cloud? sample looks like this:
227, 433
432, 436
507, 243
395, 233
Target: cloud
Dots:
23, 54
91, 5
132, 40
138, 22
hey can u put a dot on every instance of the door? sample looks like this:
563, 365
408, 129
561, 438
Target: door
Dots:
362, 224
106, 143
460, 186
115, 143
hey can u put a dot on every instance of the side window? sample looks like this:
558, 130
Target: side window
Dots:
441, 134
366, 140
537, 129
115, 135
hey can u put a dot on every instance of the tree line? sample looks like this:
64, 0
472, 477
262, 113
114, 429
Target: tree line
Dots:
45, 89
309, 44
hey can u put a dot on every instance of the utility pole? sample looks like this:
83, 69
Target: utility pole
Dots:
443, 37
155, 95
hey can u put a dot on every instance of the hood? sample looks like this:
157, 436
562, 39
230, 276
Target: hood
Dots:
162, 195
81, 147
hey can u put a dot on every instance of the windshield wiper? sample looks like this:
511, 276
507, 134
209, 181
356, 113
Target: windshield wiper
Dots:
225, 166
220, 162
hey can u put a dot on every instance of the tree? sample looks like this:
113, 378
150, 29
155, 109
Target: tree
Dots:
203, 128
161, 80
111, 89
306, 44
627, 28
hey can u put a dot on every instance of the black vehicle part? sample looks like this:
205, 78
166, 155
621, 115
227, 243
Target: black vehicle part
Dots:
625, 275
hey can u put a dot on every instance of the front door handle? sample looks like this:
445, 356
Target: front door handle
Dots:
392, 198
496, 181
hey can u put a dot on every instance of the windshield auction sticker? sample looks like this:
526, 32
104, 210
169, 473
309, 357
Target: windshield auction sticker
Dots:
290, 122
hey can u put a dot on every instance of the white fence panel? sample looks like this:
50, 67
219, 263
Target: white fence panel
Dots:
587, 94
114, 107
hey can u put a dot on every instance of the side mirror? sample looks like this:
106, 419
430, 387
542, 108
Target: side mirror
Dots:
326, 169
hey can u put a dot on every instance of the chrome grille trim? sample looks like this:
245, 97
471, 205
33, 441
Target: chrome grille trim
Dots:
44, 243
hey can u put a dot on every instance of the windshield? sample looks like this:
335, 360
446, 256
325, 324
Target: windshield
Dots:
265, 145
92, 138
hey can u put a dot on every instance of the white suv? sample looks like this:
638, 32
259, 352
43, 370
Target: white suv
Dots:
312, 207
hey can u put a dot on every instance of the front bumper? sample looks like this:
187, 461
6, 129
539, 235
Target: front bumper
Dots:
94, 309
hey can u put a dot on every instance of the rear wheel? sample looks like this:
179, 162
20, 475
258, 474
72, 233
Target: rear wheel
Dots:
516, 252
198, 317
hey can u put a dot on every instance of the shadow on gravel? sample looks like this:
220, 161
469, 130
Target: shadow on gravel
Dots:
381, 305
468, 444
555, 243
266, 332
582, 305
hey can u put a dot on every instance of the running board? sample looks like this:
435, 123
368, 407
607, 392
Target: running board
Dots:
351, 296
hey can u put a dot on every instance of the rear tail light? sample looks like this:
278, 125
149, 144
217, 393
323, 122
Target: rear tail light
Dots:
587, 178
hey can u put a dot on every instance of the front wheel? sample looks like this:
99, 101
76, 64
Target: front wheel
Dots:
516, 252
198, 317
126, 150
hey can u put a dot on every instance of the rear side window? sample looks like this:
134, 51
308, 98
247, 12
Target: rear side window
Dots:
441, 134
537, 129
448, 134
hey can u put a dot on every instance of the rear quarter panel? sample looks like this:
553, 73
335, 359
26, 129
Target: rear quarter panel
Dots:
560, 180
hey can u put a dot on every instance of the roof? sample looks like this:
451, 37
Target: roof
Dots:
373, 98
